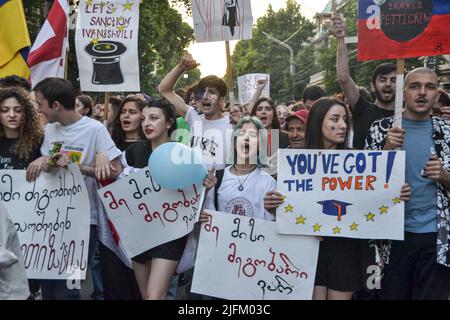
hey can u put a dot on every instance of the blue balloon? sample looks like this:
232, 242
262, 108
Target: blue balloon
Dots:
174, 165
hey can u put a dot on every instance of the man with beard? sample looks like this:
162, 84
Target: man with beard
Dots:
383, 80
419, 266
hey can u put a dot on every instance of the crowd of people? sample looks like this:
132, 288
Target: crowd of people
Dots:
239, 145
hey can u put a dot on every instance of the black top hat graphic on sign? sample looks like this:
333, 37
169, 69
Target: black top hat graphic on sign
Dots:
334, 208
106, 61
402, 22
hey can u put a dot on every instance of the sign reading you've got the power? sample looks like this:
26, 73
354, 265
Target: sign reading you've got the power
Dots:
390, 29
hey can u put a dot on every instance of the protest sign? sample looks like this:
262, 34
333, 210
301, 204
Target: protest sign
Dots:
52, 219
403, 28
252, 260
248, 83
106, 45
145, 215
341, 193
222, 20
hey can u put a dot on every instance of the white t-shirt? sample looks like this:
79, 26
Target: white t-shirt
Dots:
81, 141
248, 202
212, 136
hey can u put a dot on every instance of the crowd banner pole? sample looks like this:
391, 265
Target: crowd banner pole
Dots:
229, 74
106, 105
399, 93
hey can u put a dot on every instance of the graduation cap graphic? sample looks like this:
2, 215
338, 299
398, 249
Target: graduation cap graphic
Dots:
334, 208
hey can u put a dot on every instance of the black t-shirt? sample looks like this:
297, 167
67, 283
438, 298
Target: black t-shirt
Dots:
364, 114
138, 153
11, 161
124, 145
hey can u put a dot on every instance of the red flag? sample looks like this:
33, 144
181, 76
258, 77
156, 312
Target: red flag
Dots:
403, 29
47, 56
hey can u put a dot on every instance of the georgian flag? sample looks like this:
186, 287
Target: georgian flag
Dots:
48, 53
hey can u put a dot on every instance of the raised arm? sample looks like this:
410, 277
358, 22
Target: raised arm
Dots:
345, 80
167, 85
260, 85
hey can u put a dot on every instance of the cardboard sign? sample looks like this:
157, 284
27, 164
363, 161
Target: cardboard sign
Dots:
248, 83
145, 215
106, 45
339, 193
52, 219
222, 20
245, 258
403, 28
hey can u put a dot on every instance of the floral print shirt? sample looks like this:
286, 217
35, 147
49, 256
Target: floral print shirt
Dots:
441, 138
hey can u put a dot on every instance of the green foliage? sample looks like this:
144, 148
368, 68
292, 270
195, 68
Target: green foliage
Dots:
163, 39
262, 55
33, 13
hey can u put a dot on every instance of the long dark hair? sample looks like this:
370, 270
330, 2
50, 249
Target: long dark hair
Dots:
275, 120
314, 134
117, 134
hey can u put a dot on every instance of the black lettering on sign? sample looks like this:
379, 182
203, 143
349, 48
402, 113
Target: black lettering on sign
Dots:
404, 20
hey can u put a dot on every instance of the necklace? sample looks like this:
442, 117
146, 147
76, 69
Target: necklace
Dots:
241, 185
132, 139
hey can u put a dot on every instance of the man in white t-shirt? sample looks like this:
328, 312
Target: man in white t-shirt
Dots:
72, 138
209, 129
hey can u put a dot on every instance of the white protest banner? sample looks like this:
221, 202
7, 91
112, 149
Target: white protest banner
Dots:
247, 85
244, 258
222, 20
106, 45
52, 219
340, 193
145, 215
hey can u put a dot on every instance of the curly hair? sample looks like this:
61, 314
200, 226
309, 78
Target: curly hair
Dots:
31, 132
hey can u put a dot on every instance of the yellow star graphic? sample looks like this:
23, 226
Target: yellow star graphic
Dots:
370, 216
288, 208
127, 6
94, 41
396, 200
102, 4
300, 220
336, 230
107, 46
383, 209
354, 226
316, 227
89, 2
113, 10
121, 28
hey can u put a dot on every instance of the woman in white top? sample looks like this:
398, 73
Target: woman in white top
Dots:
241, 186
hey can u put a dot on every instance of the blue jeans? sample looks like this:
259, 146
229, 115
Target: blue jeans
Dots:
94, 262
172, 292
58, 290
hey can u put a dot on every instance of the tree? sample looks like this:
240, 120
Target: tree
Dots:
262, 55
163, 39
